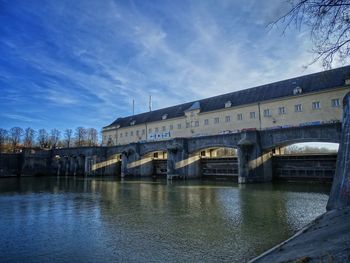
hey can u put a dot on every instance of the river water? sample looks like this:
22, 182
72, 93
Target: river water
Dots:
109, 220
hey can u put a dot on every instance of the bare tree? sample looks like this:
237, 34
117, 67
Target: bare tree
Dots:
68, 134
80, 136
29, 135
54, 137
92, 137
3, 138
43, 138
329, 24
292, 149
16, 134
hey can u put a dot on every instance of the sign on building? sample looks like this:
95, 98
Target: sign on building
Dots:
159, 136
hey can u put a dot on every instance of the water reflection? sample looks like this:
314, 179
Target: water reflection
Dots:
99, 220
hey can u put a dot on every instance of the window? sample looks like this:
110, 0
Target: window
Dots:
298, 108
216, 120
164, 116
267, 113
239, 116
132, 133
163, 128
143, 131
228, 104
156, 130
281, 110
137, 133
188, 125
104, 137
335, 102
171, 127
206, 122
316, 105
150, 130
227, 119
179, 125
252, 115
196, 123
126, 134
121, 135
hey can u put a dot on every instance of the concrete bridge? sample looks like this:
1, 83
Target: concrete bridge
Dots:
254, 150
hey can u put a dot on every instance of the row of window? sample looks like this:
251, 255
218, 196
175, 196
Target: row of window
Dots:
252, 115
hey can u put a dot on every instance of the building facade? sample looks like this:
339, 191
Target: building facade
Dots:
307, 100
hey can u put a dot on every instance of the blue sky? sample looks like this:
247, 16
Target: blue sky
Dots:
69, 63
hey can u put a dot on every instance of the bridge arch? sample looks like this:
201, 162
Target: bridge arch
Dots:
271, 139
150, 147
227, 140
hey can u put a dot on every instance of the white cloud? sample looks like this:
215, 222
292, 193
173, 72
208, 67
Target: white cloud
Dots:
107, 53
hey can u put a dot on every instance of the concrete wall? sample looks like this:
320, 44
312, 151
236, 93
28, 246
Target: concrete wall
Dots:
340, 193
10, 164
183, 154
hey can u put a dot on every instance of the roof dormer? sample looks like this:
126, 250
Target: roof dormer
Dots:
165, 116
297, 90
228, 104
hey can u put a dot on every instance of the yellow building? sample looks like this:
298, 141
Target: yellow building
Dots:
306, 100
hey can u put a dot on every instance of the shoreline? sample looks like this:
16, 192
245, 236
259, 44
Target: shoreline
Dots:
325, 239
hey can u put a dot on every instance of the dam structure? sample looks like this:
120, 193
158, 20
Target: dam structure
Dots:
238, 135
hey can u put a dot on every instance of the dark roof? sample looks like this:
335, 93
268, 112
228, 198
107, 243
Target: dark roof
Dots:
309, 83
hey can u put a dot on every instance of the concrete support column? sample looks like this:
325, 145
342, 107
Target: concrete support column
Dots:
340, 193
66, 165
253, 164
131, 162
80, 165
179, 162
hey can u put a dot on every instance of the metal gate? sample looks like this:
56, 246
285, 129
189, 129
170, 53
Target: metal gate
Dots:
219, 167
160, 167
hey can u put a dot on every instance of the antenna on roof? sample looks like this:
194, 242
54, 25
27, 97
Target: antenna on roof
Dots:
133, 107
150, 103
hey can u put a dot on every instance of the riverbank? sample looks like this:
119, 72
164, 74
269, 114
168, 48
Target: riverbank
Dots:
326, 239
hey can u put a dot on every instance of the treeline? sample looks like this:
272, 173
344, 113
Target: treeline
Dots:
17, 138
295, 149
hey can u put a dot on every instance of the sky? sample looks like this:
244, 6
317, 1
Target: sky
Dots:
69, 63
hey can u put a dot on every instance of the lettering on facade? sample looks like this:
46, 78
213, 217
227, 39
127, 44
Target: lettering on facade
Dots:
159, 136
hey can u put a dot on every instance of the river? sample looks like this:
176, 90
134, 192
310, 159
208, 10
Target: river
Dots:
45, 219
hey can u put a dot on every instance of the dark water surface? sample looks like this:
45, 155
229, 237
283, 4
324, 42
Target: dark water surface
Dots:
108, 220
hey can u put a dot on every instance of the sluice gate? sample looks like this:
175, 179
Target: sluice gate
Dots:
314, 167
219, 167
160, 167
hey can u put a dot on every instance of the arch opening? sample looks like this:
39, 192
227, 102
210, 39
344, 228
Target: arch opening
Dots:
154, 164
218, 163
307, 161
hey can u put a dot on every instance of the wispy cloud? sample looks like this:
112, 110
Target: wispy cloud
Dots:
89, 59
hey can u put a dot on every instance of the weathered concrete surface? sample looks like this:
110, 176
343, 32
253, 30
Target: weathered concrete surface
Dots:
340, 193
10, 164
274, 138
254, 148
326, 239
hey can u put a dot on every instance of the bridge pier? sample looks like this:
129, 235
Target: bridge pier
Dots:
340, 193
131, 161
253, 164
179, 162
